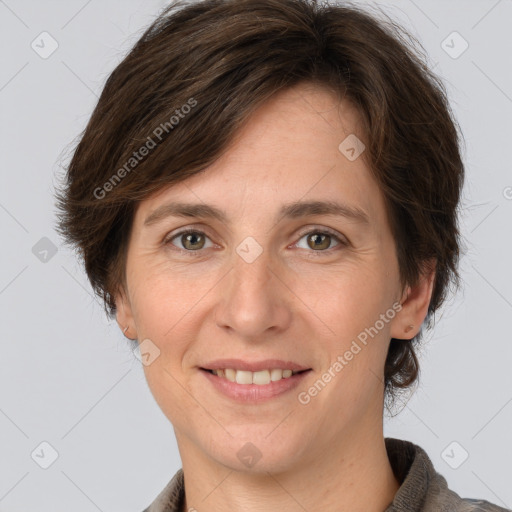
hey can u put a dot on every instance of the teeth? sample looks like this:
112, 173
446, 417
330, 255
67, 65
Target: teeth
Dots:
230, 374
243, 377
276, 374
261, 378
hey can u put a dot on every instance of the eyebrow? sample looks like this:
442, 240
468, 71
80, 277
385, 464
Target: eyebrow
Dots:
293, 210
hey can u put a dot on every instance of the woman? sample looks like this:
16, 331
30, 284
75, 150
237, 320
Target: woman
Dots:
265, 198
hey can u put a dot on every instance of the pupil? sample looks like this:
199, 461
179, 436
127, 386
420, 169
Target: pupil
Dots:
192, 238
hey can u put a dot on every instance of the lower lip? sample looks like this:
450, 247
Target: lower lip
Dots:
254, 393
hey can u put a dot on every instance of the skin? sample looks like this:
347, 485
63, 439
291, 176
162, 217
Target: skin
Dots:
326, 455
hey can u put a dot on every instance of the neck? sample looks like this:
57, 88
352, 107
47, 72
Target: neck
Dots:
351, 475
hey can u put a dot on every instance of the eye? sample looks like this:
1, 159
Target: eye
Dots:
191, 240
320, 240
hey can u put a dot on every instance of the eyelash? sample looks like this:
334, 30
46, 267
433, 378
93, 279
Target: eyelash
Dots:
323, 231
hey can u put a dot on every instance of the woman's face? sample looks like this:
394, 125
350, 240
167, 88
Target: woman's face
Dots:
300, 287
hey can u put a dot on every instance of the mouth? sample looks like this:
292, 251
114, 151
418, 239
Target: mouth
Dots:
253, 382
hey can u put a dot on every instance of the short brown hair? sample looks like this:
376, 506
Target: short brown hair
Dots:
198, 72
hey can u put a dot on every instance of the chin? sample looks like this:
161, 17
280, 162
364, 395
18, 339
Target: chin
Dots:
255, 454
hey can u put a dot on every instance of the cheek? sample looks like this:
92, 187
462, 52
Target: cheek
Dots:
358, 313
169, 307
162, 295
163, 309
347, 300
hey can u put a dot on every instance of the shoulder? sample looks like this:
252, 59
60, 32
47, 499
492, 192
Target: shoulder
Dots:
422, 488
471, 505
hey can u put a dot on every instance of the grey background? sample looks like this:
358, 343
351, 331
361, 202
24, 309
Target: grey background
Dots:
68, 376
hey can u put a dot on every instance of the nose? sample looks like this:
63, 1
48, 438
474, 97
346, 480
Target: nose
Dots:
254, 299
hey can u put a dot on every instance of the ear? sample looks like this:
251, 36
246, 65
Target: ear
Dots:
124, 314
415, 301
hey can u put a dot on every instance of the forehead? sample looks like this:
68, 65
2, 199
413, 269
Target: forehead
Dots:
288, 150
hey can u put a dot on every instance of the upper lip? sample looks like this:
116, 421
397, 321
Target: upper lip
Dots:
253, 366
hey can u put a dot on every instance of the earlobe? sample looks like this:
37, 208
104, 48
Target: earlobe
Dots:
415, 304
124, 316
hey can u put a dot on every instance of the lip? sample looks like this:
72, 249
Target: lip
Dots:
254, 393
254, 366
